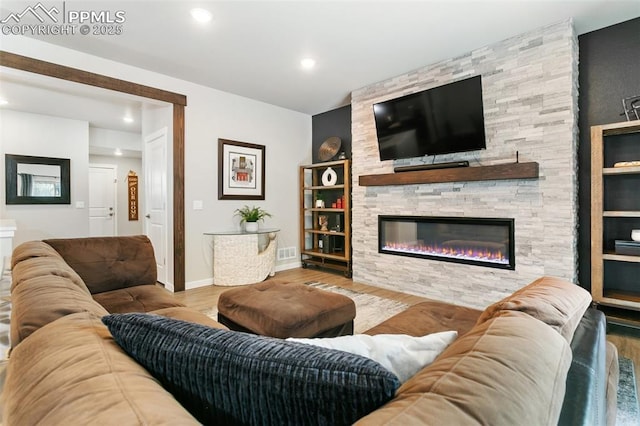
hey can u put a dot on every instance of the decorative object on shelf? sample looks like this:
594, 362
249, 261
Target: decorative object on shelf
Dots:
132, 185
630, 248
323, 221
241, 170
329, 177
249, 216
337, 226
329, 148
342, 156
326, 246
635, 234
627, 164
631, 106
319, 200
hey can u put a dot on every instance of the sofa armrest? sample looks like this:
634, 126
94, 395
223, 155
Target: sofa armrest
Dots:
109, 263
585, 396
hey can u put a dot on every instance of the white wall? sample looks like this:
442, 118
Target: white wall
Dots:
209, 115
44, 136
112, 139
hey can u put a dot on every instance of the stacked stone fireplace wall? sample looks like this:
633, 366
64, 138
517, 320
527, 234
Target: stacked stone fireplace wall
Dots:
530, 94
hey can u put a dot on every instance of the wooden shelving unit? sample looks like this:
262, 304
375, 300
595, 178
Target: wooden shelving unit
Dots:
329, 248
615, 210
528, 170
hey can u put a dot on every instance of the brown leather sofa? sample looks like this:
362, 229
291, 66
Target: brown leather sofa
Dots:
512, 363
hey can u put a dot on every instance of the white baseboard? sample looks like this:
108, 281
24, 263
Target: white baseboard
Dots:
284, 266
199, 283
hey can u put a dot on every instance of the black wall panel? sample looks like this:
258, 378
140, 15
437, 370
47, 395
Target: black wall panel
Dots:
609, 71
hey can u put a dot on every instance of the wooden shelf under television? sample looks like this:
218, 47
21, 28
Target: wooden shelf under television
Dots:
528, 170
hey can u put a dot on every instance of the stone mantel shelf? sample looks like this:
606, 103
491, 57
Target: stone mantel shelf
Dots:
528, 170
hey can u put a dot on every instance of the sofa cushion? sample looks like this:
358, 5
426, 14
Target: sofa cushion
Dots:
41, 300
556, 302
109, 263
429, 317
509, 370
401, 354
227, 377
32, 249
45, 266
141, 298
71, 372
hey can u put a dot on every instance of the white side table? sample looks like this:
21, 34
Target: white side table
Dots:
7, 230
241, 257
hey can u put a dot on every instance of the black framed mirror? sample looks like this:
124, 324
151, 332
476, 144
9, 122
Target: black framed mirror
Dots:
37, 180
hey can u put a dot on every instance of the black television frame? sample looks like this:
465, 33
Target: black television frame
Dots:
427, 121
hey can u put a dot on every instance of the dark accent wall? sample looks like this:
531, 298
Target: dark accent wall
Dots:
336, 122
609, 70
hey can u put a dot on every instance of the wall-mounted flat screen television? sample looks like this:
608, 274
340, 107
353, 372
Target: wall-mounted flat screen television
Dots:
440, 120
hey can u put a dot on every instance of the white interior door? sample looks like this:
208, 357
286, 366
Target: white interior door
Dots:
102, 200
155, 170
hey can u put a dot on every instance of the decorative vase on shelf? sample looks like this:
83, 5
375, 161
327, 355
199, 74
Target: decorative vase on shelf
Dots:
251, 226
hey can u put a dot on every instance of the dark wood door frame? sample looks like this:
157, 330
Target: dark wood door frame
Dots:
24, 63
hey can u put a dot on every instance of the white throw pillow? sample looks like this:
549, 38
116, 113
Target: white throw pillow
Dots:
401, 354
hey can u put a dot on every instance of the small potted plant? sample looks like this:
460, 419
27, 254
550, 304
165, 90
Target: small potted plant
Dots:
250, 217
319, 200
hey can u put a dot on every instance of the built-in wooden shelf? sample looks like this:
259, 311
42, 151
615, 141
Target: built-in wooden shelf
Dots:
459, 174
618, 289
617, 213
620, 257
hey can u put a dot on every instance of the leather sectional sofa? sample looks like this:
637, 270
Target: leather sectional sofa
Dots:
537, 357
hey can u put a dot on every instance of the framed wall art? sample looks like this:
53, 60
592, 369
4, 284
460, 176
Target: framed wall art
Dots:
240, 170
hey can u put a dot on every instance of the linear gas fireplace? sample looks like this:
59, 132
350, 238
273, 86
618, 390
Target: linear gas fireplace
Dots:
475, 241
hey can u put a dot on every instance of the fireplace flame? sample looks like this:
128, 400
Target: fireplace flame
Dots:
451, 251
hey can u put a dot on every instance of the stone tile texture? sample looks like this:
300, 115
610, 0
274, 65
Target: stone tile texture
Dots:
530, 99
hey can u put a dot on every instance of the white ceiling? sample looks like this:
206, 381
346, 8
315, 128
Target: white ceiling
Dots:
51, 96
254, 48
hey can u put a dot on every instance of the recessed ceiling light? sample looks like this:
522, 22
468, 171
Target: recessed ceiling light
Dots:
117, 152
127, 119
201, 15
308, 63
4, 102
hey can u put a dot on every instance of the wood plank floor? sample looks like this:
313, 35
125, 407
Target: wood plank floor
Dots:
204, 297
625, 339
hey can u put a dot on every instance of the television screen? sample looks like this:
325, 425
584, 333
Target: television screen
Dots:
441, 120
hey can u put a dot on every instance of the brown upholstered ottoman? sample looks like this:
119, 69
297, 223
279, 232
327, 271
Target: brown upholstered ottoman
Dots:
279, 309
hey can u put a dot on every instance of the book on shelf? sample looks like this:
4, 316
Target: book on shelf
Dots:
628, 247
